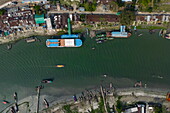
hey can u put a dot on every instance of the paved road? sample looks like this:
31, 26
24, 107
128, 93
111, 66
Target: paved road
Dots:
79, 12
109, 12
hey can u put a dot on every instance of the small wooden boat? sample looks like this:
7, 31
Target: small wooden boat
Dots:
140, 34
31, 39
46, 103
9, 46
16, 107
12, 109
100, 41
168, 97
15, 97
47, 81
60, 65
5, 102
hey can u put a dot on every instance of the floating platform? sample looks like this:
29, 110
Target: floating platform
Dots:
31, 39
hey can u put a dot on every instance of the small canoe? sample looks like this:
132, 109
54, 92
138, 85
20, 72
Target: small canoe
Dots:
5, 102
60, 66
46, 103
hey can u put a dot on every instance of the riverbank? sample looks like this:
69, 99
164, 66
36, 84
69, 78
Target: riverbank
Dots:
39, 31
27, 33
128, 95
85, 104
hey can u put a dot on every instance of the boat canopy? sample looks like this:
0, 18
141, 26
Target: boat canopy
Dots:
70, 36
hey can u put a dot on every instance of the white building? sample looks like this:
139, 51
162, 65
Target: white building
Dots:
48, 22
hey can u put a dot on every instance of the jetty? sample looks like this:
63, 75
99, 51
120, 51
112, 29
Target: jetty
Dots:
38, 96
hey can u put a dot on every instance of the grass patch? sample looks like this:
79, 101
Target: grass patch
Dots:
61, 32
151, 27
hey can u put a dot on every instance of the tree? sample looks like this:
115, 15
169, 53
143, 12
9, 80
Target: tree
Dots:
37, 9
90, 6
82, 17
2, 11
114, 6
119, 105
158, 109
86, 6
127, 17
120, 3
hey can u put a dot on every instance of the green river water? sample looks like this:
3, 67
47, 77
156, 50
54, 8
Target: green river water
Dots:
125, 61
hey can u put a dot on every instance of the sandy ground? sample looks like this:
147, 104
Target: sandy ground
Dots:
4, 1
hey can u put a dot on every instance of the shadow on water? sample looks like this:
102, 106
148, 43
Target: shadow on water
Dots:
83, 37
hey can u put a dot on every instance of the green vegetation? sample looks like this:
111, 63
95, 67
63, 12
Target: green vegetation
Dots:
158, 109
82, 17
113, 6
151, 27
61, 32
2, 11
53, 1
148, 5
37, 9
89, 6
127, 17
67, 109
119, 105
120, 3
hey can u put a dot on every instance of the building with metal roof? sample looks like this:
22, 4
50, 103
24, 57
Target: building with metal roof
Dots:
39, 19
122, 33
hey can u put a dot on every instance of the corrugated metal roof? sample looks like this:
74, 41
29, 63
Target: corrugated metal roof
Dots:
39, 19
